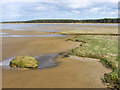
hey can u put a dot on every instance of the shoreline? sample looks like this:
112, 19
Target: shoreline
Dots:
59, 23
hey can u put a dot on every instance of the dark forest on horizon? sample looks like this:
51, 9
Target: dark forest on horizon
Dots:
105, 20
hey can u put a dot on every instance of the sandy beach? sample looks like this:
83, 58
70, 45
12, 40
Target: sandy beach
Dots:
71, 72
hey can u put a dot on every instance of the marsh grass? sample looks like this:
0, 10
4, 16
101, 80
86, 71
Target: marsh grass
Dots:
90, 32
104, 48
24, 62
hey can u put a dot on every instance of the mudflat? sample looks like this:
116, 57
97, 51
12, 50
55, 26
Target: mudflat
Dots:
71, 72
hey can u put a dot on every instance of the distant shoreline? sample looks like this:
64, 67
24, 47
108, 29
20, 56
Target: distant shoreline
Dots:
59, 23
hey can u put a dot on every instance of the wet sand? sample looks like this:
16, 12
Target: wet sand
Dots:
70, 73
34, 46
24, 32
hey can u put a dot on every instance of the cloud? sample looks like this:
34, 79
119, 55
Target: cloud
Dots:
67, 9
41, 8
76, 5
6, 1
93, 10
76, 11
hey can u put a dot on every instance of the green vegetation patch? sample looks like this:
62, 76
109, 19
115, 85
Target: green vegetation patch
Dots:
24, 62
104, 48
90, 32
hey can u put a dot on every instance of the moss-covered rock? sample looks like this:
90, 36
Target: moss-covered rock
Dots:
24, 62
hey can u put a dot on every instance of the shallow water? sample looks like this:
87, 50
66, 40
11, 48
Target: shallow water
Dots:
15, 26
45, 30
44, 61
3, 33
6, 62
21, 26
51, 35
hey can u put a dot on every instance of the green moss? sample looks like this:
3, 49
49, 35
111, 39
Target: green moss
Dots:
24, 62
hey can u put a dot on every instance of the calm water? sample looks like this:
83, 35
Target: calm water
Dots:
22, 27
16, 26
51, 35
3, 33
44, 30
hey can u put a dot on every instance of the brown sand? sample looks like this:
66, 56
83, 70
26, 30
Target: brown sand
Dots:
25, 32
70, 73
35, 46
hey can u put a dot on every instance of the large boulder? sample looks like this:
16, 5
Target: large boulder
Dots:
24, 62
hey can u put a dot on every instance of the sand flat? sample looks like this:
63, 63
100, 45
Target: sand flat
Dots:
70, 73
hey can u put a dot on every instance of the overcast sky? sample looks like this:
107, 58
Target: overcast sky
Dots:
16, 10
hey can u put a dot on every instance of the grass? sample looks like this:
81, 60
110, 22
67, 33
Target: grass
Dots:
104, 48
90, 32
24, 62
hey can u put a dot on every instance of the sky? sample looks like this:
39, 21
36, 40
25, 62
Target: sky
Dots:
20, 10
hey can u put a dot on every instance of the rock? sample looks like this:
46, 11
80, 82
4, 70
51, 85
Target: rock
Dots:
64, 54
24, 62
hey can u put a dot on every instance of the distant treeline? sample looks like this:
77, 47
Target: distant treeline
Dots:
106, 20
